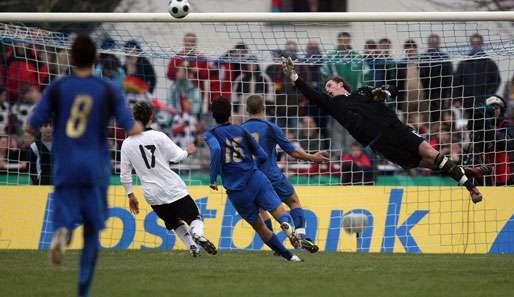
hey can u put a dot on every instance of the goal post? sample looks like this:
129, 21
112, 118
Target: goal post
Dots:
445, 65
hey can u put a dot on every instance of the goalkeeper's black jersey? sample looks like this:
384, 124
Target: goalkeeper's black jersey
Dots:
364, 118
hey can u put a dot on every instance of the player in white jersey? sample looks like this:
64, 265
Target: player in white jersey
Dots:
149, 154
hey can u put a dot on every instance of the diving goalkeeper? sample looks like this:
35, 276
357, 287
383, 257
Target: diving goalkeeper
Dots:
366, 117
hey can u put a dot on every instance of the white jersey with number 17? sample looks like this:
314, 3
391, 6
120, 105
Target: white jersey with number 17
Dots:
150, 153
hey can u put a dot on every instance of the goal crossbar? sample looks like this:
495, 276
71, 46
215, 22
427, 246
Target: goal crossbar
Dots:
261, 17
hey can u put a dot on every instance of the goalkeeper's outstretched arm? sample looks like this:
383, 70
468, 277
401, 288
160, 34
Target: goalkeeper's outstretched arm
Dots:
310, 93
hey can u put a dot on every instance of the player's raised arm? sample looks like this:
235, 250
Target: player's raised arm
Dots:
215, 166
297, 153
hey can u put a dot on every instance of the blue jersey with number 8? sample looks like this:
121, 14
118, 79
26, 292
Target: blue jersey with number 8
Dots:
80, 109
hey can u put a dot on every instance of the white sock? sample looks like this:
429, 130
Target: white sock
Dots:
183, 233
197, 227
300, 231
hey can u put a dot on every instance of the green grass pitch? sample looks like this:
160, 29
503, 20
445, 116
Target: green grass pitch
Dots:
243, 274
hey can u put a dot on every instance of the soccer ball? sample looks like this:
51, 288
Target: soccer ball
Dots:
355, 222
178, 8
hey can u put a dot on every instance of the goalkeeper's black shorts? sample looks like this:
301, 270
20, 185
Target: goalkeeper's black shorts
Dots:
400, 145
176, 213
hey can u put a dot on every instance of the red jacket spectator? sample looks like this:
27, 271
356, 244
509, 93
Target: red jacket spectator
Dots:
503, 163
24, 69
221, 81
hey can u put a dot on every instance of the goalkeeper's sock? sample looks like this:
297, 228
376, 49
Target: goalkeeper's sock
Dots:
269, 224
183, 233
196, 227
451, 168
278, 247
88, 261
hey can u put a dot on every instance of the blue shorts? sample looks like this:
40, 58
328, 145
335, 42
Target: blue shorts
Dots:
258, 194
73, 206
284, 188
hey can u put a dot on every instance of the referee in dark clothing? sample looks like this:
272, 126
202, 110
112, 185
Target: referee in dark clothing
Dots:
366, 117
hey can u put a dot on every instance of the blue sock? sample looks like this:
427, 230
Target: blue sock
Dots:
88, 261
278, 247
298, 218
269, 224
286, 218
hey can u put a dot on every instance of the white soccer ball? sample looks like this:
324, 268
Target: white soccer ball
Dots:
178, 8
355, 222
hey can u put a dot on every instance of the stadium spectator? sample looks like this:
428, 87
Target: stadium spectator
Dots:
376, 74
26, 140
407, 79
310, 139
10, 155
139, 70
312, 76
195, 63
183, 88
183, 129
356, 167
436, 76
23, 67
508, 95
345, 62
109, 67
500, 148
384, 46
4, 144
287, 100
226, 69
41, 157
252, 81
476, 78
5, 108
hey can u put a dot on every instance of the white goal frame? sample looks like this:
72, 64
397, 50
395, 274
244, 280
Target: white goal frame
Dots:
260, 17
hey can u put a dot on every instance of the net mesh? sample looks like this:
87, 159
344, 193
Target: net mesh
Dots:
443, 83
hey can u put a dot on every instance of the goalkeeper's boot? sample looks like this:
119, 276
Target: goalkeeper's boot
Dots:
294, 258
58, 246
205, 244
478, 172
194, 251
293, 238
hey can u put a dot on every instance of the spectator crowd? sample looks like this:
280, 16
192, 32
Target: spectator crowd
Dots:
456, 107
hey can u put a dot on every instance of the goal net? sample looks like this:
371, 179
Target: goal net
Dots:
454, 83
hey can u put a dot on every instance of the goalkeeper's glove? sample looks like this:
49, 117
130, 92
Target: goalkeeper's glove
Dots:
288, 68
380, 94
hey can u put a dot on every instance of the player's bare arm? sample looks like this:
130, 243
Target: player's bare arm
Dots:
317, 157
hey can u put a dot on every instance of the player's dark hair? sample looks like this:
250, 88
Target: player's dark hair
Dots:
83, 51
142, 112
221, 110
339, 79
254, 104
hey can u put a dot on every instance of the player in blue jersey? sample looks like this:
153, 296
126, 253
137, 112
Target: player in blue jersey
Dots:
268, 135
232, 151
80, 106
